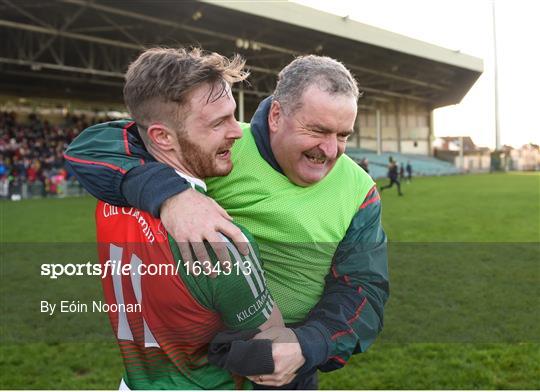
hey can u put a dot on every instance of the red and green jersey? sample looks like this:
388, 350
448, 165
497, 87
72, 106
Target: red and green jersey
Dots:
162, 315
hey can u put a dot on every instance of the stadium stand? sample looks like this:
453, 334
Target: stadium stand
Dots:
31, 156
422, 165
32, 163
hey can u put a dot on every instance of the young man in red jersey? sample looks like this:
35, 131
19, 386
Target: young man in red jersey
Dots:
164, 315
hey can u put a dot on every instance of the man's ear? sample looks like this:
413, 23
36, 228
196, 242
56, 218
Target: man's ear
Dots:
273, 116
161, 137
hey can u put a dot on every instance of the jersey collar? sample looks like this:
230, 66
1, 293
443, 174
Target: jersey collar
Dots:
196, 183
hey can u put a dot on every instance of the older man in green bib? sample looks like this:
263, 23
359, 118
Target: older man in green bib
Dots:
315, 214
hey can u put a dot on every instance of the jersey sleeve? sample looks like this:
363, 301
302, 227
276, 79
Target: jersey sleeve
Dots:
349, 315
100, 157
111, 162
239, 294
242, 297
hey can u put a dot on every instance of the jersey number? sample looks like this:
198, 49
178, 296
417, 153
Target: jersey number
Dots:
124, 331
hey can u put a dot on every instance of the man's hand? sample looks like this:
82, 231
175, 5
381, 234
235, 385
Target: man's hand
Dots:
191, 218
287, 356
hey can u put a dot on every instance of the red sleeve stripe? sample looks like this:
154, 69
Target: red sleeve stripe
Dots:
339, 359
373, 189
367, 199
358, 311
125, 132
345, 278
375, 198
334, 272
84, 161
341, 333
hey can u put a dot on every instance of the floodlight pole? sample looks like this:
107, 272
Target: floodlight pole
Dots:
379, 131
241, 104
461, 155
496, 82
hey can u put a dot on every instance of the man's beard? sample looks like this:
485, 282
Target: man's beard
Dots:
201, 163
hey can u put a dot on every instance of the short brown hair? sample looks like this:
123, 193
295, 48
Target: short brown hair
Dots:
159, 80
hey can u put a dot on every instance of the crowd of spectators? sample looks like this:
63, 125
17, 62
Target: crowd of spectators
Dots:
31, 154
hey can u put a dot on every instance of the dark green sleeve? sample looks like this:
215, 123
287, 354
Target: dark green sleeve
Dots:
349, 315
240, 295
111, 162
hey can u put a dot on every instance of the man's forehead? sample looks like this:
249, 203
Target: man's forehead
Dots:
325, 118
206, 104
211, 93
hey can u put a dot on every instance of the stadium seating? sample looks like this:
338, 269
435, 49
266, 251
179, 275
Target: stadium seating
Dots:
32, 165
422, 165
31, 156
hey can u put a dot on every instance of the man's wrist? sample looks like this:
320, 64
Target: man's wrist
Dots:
171, 187
315, 344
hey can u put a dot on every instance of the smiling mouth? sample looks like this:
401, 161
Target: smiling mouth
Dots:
316, 160
224, 154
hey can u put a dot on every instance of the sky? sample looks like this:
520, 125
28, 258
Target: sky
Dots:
467, 26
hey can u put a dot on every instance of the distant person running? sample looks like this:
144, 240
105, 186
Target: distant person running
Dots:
408, 168
401, 172
393, 176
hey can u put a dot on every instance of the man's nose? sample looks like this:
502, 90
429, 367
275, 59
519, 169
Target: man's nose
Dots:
234, 131
330, 146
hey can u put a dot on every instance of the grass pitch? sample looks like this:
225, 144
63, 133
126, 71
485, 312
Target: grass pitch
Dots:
463, 313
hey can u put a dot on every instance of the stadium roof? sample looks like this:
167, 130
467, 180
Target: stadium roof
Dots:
310, 18
81, 48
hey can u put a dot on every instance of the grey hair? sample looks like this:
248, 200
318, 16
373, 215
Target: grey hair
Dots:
327, 74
